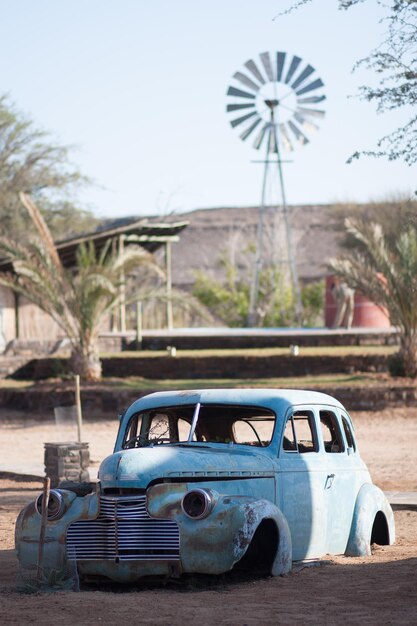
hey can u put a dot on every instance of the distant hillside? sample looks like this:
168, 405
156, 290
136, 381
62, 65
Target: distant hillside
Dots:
213, 231
317, 231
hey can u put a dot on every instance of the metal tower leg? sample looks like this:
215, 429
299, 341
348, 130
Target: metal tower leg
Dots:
254, 292
288, 232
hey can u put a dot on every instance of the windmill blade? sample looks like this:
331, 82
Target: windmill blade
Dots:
252, 67
311, 100
259, 139
250, 130
285, 138
314, 85
295, 62
246, 81
301, 138
266, 60
240, 120
237, 107
307, 71
232, 91
311, 112
305, 124
280, 65
259, 107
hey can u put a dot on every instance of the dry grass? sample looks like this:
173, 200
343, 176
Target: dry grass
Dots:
259, 352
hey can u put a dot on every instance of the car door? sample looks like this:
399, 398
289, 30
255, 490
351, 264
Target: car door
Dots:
301, 479
341, 485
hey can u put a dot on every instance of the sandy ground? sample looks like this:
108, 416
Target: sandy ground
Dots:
373, 590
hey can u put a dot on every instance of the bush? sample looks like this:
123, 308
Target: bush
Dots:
228, 301
312, 299
396, 365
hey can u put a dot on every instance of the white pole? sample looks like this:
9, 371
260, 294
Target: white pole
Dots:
168, 261
139, 324
79, 410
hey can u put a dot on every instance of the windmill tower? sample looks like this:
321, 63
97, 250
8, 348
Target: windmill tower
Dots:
272, 101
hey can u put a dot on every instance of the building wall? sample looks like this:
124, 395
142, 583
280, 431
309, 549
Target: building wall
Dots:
7, 316
34, 324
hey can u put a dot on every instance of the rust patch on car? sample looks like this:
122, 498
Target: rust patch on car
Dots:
164, 500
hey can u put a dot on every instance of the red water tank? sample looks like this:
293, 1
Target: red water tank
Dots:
366, 314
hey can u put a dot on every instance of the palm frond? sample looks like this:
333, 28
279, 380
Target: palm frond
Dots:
78, 299
383, 269
135, 258
42, 228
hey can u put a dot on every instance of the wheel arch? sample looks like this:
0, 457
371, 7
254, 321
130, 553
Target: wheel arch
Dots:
380, 530
373, 521
267, 530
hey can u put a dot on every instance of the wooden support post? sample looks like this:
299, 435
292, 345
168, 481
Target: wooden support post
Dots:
16, 315
168, 266
114, 315
139, 322
122, 289
79, 410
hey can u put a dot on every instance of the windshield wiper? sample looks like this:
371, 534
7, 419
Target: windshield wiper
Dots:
194, 422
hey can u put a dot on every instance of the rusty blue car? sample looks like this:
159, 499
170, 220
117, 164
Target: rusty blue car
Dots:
211, 480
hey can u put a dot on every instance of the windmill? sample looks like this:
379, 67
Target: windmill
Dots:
273, 102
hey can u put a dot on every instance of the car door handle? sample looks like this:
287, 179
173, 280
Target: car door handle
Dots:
329, 481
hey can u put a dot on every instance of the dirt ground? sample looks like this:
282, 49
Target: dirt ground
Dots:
381, 589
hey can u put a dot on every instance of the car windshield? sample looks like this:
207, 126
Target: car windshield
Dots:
199, 424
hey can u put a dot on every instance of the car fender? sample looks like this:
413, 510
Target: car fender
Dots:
257, 511
28, 525
370, 500
216, 543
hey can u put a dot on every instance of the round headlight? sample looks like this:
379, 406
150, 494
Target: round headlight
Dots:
197, 503
55, 505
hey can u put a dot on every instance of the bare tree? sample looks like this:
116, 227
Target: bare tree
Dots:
394, 62
32, 162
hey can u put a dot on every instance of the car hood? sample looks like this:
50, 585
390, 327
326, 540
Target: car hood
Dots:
141, 466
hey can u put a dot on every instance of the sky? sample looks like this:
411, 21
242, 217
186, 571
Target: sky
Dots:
138, 87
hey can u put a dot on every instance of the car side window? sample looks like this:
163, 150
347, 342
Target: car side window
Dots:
348, 433
332, 437
300, 433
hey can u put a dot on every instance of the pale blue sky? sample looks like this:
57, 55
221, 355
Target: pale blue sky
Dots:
139, 86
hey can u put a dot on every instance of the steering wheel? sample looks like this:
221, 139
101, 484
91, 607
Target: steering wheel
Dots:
133, 440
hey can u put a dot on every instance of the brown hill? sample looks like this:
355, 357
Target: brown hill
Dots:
214, 233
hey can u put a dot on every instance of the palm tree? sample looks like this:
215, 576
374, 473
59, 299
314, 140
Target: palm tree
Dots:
77, 299
384, 268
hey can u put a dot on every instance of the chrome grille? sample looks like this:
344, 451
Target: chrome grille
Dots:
123, 531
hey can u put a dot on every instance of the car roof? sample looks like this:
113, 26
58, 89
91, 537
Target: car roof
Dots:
282, 398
